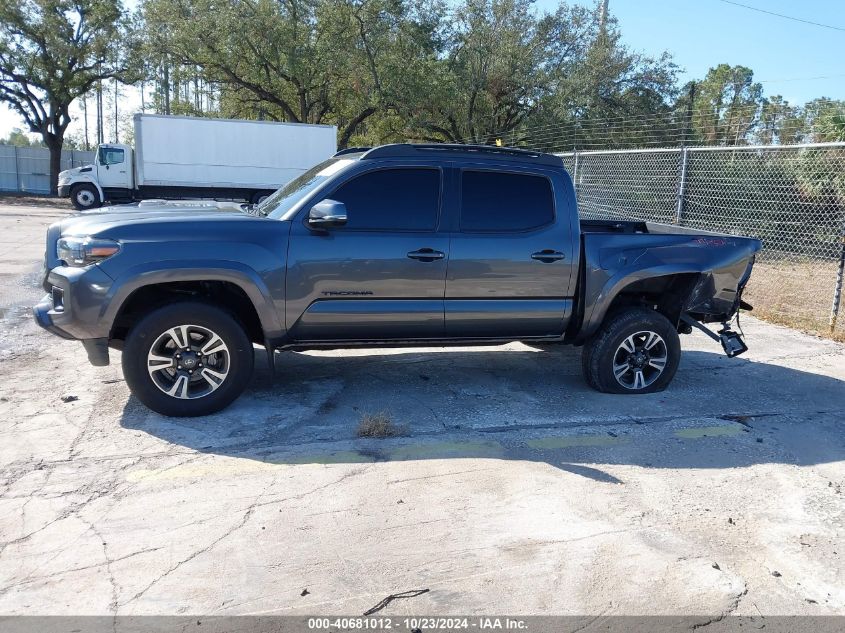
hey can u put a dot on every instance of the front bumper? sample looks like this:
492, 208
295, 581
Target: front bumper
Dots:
73, 307
64, 191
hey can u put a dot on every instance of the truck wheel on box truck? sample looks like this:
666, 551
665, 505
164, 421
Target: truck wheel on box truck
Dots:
189, 157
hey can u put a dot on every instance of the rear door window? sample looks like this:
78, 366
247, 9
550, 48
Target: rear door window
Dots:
505, 202
402, 199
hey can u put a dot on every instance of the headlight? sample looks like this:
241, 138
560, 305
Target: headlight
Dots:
84, 251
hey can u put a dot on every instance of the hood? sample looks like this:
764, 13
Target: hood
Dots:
159, 217
177, 206
67, 173
166, 223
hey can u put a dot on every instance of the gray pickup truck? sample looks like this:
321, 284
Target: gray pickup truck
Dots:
402, 244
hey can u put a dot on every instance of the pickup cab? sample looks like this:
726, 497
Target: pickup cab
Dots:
397, 245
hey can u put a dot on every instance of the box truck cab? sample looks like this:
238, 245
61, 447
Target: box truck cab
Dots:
189, 157
111, 178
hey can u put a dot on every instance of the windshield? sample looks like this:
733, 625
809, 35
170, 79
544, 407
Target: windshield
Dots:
284, 199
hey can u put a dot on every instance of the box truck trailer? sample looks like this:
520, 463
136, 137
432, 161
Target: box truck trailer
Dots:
189, 157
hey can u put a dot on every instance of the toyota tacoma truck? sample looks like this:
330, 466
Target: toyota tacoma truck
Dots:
402, 244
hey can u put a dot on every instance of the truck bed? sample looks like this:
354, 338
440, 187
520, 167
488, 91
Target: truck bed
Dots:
648, 258
631, 227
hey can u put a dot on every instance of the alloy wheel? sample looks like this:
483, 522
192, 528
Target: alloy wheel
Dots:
188, 362
640, 360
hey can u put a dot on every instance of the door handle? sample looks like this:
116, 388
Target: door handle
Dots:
426, 255
547, 256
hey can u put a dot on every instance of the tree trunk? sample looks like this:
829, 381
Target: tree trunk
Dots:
350, 129
54, 144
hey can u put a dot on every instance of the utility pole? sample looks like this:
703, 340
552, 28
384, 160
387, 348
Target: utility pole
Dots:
165, 84
691, 100
100, 138
116, 138
85, 117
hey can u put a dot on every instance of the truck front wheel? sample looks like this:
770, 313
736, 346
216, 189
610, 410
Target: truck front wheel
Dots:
636, 351
260, 196
187, 359
85, 197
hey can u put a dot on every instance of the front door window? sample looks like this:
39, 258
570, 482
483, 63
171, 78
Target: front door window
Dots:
111, 155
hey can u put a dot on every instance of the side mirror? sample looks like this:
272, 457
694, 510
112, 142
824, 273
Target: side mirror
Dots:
327, 213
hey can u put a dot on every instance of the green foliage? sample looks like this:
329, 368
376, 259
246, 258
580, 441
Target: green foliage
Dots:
390, 70
779, 122
51, 53
309, 61
831, 123
18, 138
726, 104
384, 70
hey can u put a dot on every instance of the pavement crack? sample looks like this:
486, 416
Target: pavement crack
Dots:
731, 608
250, 510
115, 589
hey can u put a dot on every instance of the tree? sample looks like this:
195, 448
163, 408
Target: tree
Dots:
779, 122
598, 93
19, 139
727, 105
825, 120
52, 52
490, 75
316, 61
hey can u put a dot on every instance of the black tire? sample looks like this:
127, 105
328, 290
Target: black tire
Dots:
150, 336
85, 197
260, 196
607, 350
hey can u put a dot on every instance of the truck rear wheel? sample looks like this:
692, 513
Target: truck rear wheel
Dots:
187, 359
85, 197
636, 351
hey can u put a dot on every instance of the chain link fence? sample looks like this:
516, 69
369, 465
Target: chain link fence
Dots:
790, 196
27, 169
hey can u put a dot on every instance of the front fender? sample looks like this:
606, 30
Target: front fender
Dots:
88, 180
152, 273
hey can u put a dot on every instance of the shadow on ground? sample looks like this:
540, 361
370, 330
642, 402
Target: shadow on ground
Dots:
521, 403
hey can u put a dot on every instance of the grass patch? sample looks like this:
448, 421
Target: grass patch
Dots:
380, 425
796, 293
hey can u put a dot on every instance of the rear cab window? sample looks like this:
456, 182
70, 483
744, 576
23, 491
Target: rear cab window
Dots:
495, 201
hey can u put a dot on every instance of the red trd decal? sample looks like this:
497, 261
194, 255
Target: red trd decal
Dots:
710, 241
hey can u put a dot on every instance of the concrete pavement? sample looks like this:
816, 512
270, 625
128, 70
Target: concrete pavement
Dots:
516, 489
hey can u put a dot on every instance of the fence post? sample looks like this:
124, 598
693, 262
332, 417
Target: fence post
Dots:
17, 171
575, 173
837, 291
682, 187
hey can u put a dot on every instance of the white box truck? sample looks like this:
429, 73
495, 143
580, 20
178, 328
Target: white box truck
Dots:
190, 157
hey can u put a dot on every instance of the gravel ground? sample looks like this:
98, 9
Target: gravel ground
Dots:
514, 489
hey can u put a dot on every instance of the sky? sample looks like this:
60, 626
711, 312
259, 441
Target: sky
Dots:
701, 34
795, 60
